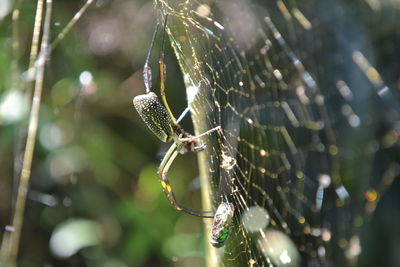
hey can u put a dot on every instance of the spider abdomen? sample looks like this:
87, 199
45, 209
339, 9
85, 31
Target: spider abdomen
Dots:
154, 115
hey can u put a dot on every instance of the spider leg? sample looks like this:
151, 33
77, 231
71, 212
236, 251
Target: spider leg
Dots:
163, 72
200, 148
147, 76
169, 157
194, 138
183, 114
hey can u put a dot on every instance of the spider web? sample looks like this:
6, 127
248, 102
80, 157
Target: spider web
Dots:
307, 122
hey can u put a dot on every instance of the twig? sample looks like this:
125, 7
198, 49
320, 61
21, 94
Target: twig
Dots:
17, 221
11, 238
70, 24
28, 86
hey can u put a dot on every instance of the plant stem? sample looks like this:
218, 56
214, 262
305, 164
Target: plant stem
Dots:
17, 222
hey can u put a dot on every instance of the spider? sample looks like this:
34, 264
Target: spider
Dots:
163, 124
